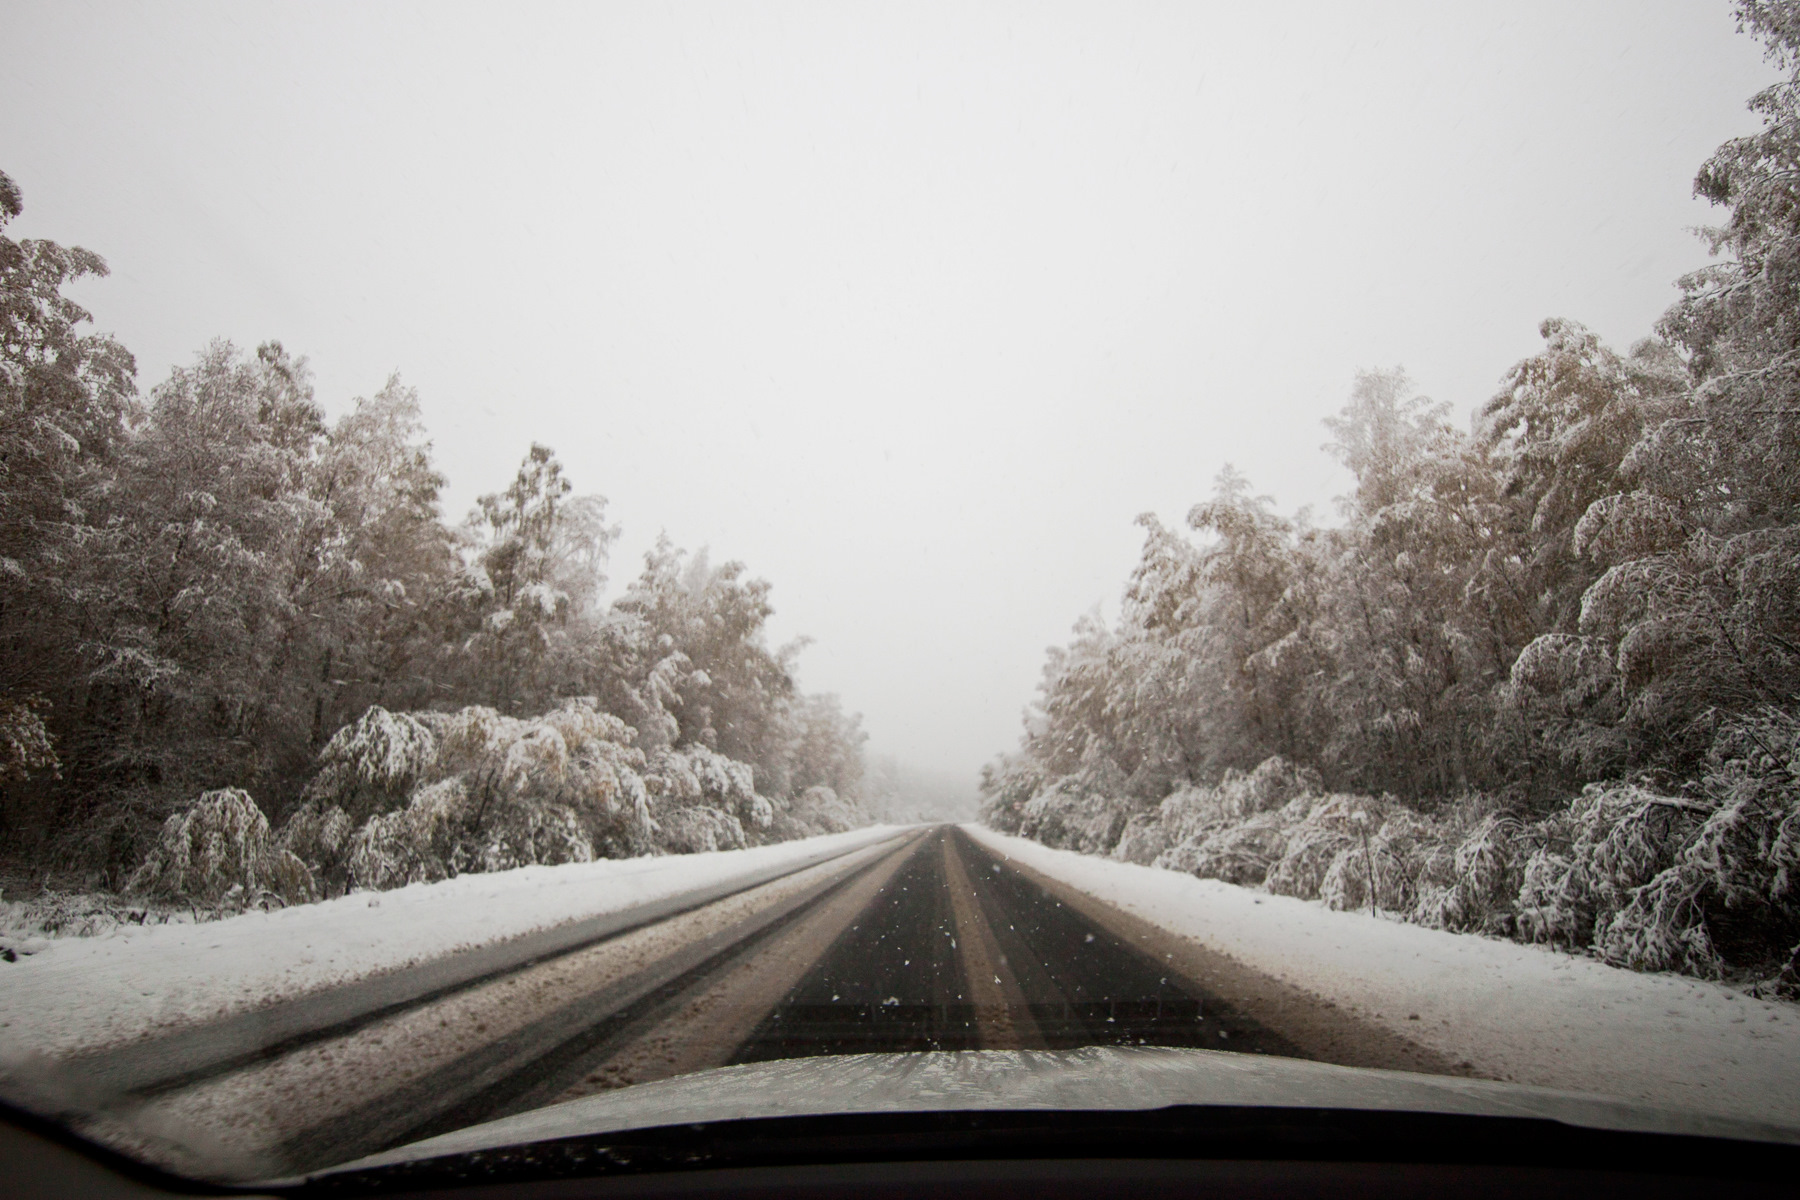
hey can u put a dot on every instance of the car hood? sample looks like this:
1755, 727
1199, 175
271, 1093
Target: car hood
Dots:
1092, 1078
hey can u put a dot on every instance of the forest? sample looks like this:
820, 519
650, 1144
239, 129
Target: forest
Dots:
1541, 680
244, 660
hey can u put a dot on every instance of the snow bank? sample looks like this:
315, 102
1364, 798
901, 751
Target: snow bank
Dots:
79, 994
1521, 1013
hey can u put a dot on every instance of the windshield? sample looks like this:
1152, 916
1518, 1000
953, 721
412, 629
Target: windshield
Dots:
528, 537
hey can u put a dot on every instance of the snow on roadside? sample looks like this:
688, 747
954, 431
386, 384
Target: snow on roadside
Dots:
1527, 1014
80, 993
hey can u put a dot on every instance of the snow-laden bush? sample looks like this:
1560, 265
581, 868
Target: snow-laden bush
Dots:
1190, 813
1074, 815
1143, 840
1008, 785
818, 810
698, 830
694, 778
573, 757
563, 787
1395, 852
1274, 782
320, 838
471, 790
406, 798
1320, 832
1663, 926
1700, 884
371, 764
218, 850
420, 843
1241, 853
700, 800
1237, 831
1548, 908
825, 810
1706, 883
1726, 898
1480, 890
1619, 837
524, 835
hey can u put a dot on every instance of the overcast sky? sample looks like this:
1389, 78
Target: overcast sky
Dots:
910, 307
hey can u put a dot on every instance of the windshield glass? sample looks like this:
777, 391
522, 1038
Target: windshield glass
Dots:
526, 533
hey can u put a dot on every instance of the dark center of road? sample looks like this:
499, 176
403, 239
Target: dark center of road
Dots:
960, 951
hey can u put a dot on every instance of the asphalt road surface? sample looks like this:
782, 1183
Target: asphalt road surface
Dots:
959, 952
924, 942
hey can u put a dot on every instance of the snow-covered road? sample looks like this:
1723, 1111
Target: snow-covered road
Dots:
880, 940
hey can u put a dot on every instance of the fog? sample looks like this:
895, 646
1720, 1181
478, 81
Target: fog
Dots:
911, 308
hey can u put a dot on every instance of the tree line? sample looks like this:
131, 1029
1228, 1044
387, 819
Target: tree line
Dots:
1594, 590
232, 627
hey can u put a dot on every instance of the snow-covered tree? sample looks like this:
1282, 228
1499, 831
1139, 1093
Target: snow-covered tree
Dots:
216, 590
65, 394
536, 559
